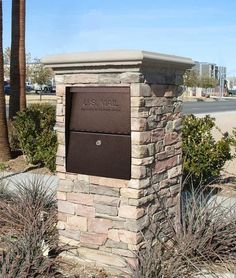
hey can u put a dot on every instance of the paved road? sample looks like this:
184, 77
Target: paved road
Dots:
204, 107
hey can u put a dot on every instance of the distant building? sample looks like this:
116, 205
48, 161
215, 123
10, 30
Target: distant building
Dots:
209, 70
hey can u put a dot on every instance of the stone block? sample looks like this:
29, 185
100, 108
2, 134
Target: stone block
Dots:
115, 244
81, 186
171, 138
61, 150
59, 79
131, 77
106, 200
140, 138
157, 134
69, 241
131, 193
102, 257
159, 146
175, 171
129, 237
108, 78
137, 101
153, 102
138, 124
113, 234
142, 161
66, 207
84, 178
108, 182
71, 177
60, 90
61, 225
139, 184
60, 161
80, 198
62, 216
86, 211
177, 124
124, 253
140, 90
61, 195
166, 164
77, 223
139, 112
138, 172
61, 138
60, 110
113, 211
130, 212
142, 201
93, 238
60, 168
99, 225
81, 78
137, 225
70, 234
119, 223
139, 151
103, 190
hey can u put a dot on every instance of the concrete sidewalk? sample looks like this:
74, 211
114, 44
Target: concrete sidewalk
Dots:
11, 179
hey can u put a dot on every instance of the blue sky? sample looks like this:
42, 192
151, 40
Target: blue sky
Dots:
204, 30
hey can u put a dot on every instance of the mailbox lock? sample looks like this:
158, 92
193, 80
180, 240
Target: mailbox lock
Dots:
98, 143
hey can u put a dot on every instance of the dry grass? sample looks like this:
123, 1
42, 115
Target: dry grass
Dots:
28, 230
205, 238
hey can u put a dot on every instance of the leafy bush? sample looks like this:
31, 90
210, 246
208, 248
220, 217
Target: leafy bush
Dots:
34, 131
203, 157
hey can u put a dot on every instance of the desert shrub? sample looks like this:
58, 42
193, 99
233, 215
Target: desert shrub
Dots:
204, 238
35, 133
203, 156
28, 230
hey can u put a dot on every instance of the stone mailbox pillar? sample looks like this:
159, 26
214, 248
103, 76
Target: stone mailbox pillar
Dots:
119, 134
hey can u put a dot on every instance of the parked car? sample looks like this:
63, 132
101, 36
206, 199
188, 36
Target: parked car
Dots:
7, 88
232, 92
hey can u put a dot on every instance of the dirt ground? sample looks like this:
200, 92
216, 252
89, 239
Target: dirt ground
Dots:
19, 165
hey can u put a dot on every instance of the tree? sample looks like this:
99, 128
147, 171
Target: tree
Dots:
4, 143
190, 78
7, 59
207, 82
17, 66
40, 74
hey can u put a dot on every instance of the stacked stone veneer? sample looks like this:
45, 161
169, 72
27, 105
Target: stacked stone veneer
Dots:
106, 218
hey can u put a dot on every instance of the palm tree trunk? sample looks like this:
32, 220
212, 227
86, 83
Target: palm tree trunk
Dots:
17, 67
22, 66
4, 143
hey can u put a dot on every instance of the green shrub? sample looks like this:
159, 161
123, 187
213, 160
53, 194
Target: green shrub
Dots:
35, 132
203, 157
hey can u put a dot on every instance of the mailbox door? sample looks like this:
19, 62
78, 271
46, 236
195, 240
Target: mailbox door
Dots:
105, 155
100, 109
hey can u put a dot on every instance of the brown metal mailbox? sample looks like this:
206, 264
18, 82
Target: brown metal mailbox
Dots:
98, 131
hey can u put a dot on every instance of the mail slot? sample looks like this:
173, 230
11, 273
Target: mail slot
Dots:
98, 131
